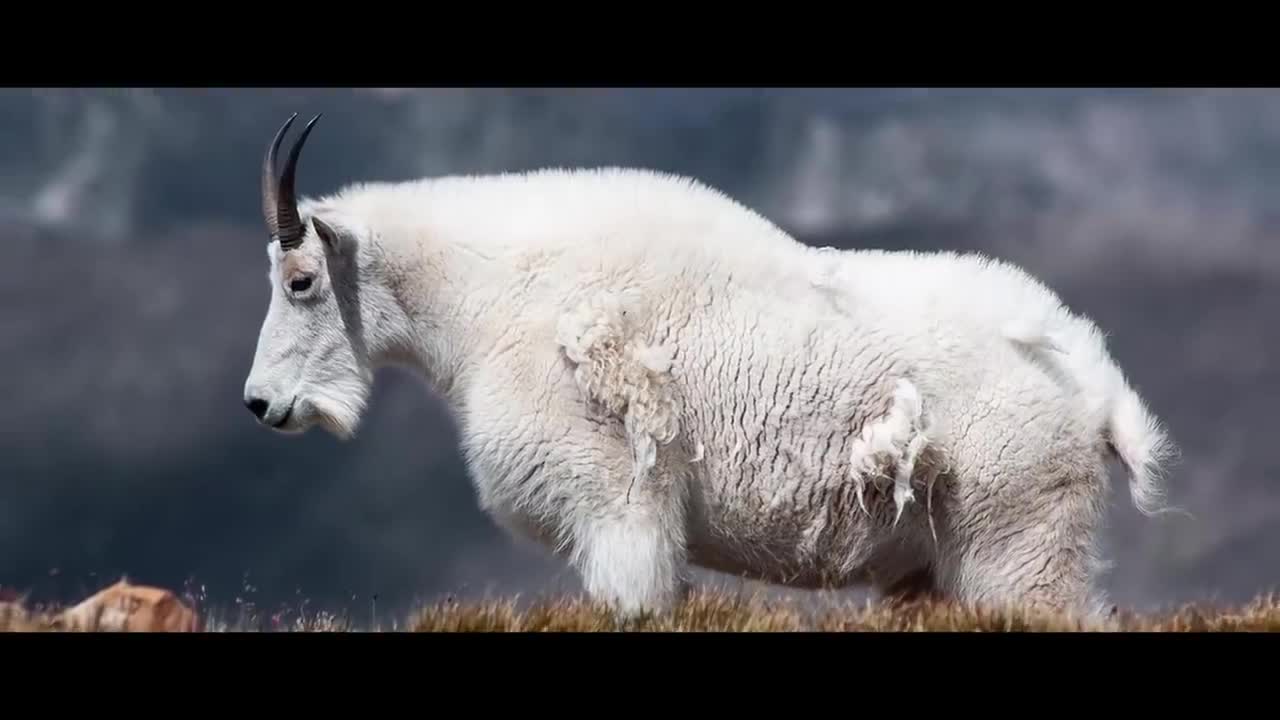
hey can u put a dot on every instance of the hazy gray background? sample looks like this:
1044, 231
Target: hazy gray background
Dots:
134, 283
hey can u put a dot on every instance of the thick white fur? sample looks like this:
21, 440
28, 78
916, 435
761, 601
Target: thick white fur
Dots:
648, 375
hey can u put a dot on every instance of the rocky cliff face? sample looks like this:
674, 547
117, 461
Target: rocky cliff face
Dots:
133, 288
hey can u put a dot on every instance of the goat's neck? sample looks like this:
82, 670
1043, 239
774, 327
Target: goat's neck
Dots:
443, 289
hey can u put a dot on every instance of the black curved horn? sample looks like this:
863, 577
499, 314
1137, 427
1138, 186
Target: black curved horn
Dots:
280, 202
269, 202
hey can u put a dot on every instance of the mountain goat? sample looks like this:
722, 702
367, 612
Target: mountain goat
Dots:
648, 376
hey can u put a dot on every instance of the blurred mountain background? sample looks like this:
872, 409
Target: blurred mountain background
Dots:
135, 285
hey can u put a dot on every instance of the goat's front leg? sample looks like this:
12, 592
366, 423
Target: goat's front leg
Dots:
628, 530
630, 554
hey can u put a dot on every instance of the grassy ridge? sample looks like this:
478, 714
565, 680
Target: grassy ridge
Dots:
726, 613
718, 612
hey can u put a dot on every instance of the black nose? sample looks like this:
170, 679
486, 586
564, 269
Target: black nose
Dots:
257, 406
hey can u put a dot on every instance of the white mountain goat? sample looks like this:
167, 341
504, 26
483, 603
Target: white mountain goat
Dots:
647, 376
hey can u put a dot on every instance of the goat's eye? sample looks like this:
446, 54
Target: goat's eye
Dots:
300, 284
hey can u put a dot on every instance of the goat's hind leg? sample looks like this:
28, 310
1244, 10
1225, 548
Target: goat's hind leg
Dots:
1029, 552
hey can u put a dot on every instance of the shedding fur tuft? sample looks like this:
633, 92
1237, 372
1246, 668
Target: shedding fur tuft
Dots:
897, 440
622, 374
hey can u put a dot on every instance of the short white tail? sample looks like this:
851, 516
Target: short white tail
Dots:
1143, 446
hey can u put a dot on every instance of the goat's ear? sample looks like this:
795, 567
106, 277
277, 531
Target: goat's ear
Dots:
328, 235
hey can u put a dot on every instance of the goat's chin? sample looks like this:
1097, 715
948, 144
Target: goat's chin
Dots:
337, 417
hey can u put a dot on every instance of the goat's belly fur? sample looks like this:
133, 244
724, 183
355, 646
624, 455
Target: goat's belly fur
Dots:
852, 418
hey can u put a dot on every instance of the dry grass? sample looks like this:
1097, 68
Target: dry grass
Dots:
718, 612
712, 612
